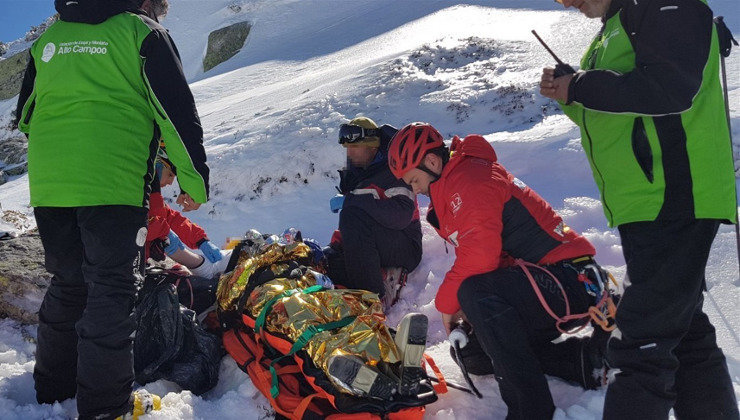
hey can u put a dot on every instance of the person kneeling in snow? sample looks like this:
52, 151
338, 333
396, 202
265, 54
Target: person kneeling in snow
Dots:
379, 237
169, 232
516, 262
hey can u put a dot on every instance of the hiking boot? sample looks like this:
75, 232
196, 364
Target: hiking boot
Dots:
360, 379
144, 403
210, 270
594, 368
411, 340
394, 278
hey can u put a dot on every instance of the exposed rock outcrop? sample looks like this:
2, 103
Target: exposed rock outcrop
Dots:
23, 278
12, 70
13, 157
224, 43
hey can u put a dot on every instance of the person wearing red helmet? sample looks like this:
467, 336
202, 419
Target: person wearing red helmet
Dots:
505, 237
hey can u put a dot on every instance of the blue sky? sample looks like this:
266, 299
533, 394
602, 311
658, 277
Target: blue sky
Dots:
17, 16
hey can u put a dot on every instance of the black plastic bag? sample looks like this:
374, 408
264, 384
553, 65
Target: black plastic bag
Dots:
196, 293
170, 344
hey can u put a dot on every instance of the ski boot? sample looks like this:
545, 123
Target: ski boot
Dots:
411, 340
354, 375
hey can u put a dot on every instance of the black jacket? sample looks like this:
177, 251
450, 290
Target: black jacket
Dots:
671, 39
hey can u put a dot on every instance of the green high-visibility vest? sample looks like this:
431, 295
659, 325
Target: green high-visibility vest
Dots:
91, 117
633, 184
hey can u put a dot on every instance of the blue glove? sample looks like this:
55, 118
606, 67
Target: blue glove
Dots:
336, 203
210, 251
175, 244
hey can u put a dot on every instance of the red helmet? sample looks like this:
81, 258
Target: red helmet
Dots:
409, 146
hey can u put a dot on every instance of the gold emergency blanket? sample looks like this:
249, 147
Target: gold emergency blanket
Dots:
366, 336
233, 284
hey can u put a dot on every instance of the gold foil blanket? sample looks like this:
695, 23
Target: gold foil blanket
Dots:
366, 336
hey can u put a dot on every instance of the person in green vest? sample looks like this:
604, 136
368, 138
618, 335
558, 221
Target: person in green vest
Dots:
649, 103
103, 84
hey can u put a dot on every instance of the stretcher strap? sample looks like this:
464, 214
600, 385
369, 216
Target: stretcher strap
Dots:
441, 387
259, 375
301, 342
304, 338
300, 410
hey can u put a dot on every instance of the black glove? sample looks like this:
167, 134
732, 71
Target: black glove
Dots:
563, 69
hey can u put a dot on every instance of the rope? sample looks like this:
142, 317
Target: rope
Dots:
593, 312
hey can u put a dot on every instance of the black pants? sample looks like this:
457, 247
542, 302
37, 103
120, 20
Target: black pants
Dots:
665, 346
366, 247
516, 332
86, 323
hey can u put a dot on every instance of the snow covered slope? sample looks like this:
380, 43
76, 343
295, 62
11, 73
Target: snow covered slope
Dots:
271, 115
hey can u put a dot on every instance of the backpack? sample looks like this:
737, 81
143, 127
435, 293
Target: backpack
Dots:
170, 344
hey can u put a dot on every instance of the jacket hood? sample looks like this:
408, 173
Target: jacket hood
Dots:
94, 11
473, 145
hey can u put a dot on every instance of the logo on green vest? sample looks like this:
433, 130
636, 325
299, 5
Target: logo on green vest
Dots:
84, 47
48, 53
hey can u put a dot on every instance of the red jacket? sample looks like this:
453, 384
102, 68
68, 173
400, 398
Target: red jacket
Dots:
162, 219
490, 217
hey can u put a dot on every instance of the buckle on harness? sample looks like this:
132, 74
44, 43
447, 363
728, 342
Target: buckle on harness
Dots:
596, 281
604, 319
604, 311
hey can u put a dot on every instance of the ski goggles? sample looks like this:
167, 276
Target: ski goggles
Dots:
355, 134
